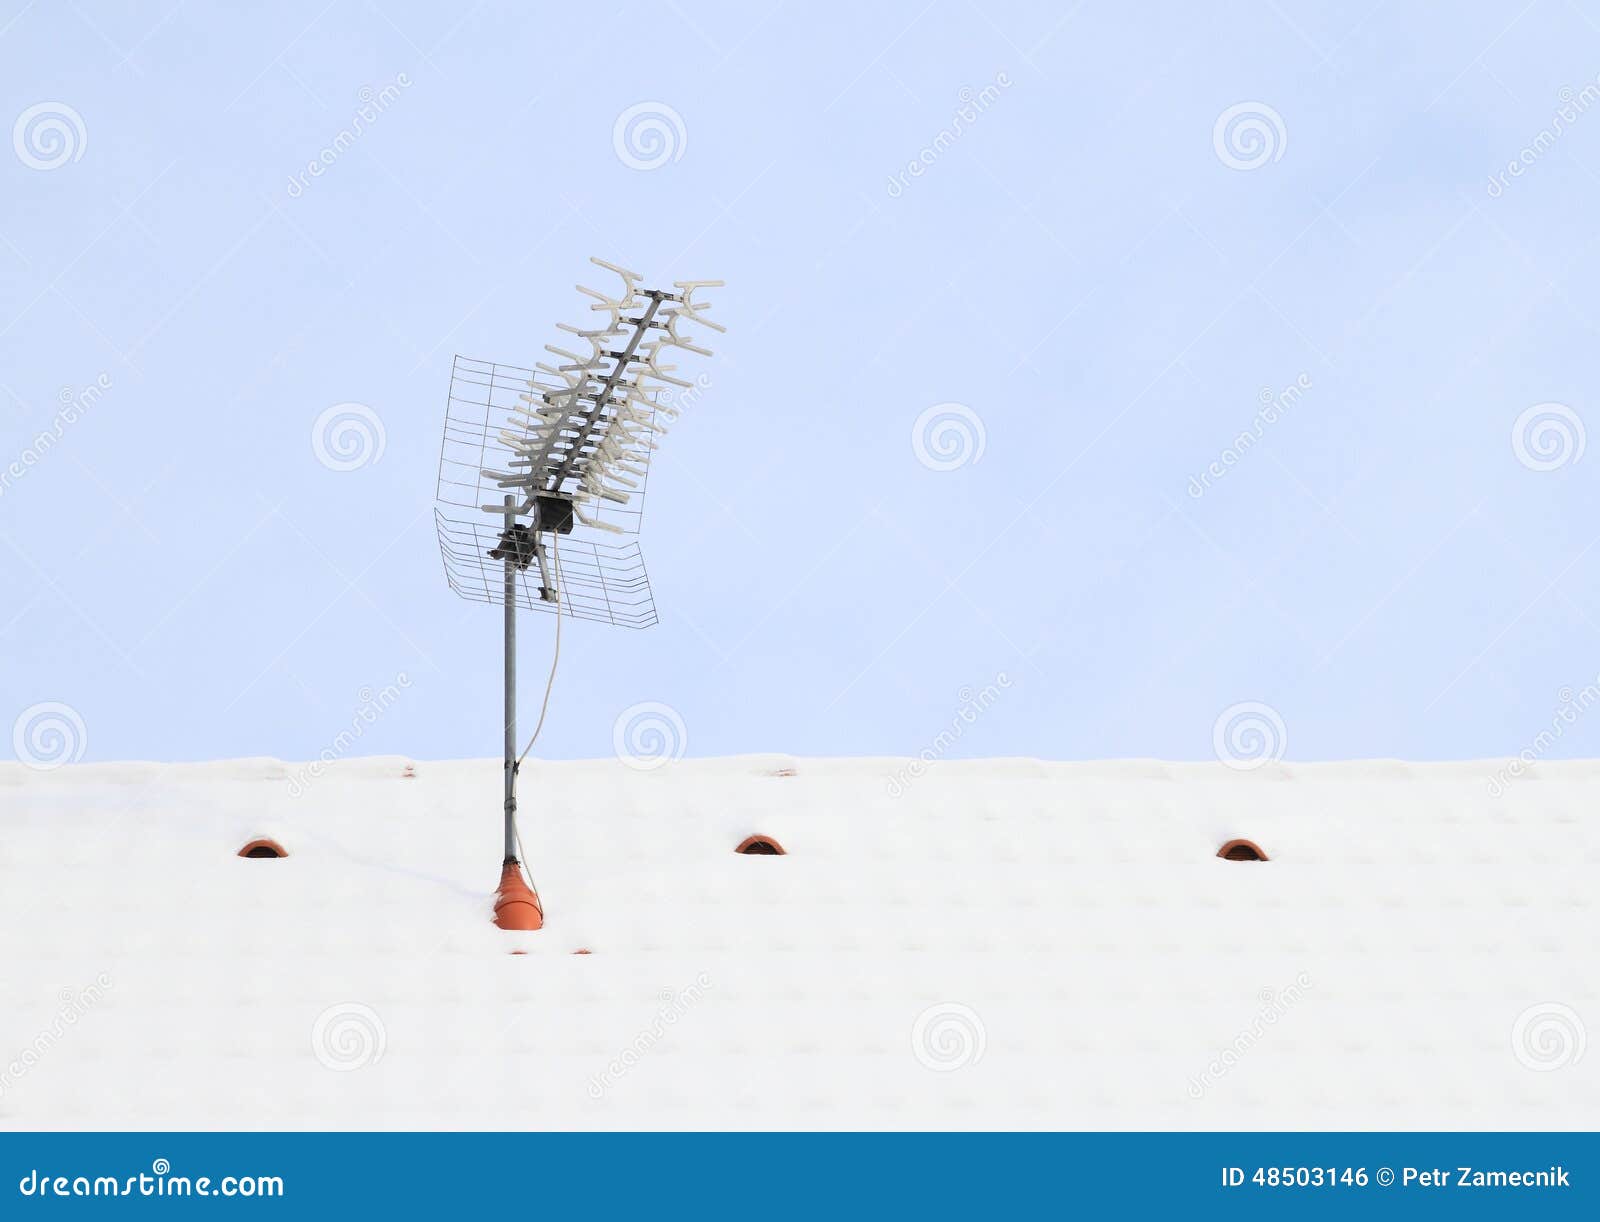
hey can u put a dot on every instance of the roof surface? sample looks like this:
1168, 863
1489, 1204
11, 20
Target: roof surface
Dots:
992, 944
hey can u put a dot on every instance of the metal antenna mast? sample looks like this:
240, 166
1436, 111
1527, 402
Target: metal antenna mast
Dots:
571, 446
510, 595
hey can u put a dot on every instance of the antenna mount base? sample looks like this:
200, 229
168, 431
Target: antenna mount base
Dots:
554, 513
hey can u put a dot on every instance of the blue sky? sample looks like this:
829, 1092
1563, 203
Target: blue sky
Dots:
1109, 276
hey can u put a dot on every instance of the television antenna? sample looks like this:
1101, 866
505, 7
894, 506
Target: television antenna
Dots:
542, 473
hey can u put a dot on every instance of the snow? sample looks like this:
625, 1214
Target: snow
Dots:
1005, 944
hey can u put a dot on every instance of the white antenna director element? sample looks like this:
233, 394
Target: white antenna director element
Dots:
559, 455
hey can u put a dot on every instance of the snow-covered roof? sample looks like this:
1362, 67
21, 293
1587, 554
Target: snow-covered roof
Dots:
1002, 943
